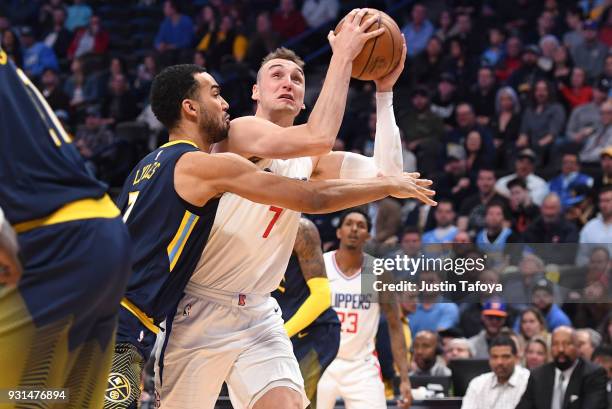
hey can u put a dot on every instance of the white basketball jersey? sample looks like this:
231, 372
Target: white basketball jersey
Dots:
358, 311
250, 244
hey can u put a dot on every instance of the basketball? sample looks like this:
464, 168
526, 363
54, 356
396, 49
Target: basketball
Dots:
380, 55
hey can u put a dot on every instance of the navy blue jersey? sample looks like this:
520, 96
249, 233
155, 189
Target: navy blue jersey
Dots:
40, 170
293, 291
168, 233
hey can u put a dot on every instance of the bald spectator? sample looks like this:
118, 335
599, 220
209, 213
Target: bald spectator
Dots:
494, 315
502, 387
587, 340
591, 53
524, 166
426, 361
418, 30
598, 231
457, 348
600, 138
567, 379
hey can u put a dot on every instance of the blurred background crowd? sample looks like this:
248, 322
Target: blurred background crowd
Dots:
505, 104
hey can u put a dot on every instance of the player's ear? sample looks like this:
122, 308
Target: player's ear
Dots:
188, 107
255, 93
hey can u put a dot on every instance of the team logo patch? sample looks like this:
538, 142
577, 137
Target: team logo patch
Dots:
118, 389
242, 300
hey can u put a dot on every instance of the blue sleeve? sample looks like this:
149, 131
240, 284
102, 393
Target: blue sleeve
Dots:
48, 59
186, 37
162, 34
450, 316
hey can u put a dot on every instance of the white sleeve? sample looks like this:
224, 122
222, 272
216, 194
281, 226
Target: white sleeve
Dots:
387, 143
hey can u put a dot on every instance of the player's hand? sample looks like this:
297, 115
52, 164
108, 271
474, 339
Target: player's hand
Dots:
405, 400
386, 83
10, 269
407, 186
351, 38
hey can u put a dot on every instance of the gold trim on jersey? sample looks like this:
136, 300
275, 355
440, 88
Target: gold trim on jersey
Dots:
82, 209
177, 142
176, 246
142, 317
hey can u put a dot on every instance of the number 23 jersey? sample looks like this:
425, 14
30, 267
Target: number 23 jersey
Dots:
250, 244
358, 311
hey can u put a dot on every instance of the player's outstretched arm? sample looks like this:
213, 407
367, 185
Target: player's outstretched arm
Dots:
10, 268
307, 248
252, 136
199, 177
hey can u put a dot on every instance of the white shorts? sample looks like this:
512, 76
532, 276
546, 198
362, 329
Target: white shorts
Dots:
357, 382
212, 339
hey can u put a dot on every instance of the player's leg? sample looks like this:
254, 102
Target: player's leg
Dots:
362, 386
57, 326
328, 389
195, 355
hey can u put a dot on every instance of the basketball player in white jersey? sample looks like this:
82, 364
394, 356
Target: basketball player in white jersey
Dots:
227, 327
355, 374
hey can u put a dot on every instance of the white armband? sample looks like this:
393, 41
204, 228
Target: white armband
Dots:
387, 143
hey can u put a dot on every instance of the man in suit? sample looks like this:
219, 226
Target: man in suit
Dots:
568, 382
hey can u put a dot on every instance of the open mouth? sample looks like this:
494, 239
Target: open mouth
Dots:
286, 96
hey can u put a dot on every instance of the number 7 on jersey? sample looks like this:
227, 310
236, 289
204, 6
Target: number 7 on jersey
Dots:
277, 212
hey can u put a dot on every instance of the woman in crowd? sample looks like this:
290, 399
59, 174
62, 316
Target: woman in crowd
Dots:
506, 126
536, 353
532, 324
578, 92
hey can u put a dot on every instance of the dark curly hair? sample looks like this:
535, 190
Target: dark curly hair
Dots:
170, 87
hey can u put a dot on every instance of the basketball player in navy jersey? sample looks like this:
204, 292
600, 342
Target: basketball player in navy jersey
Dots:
57, 324
305, 301
169, 203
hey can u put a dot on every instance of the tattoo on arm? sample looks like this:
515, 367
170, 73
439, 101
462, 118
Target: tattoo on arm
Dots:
307, 247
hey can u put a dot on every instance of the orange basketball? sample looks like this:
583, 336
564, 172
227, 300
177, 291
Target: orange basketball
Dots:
380, 55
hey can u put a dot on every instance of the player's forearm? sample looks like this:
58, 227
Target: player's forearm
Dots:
387, 143
318, 301
326, 116
399, 350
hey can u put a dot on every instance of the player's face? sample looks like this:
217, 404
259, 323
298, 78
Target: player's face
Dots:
280, 87
213, 119
353, 232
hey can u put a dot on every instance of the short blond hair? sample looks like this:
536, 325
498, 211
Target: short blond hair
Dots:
282, 53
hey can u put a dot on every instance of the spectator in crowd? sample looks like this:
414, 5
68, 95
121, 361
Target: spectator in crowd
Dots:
505, 383
525, 76
506, 125
600, 138
432, 313
89, 40
524, 166
495, 235
542, 298
472, 41
457, 348
519, 290
472, 211
531, 324
93, 138
605, 175
466, 123
52, 91
562, 65
569, 179
428, 64
80, 87
418, 30
207, 21
587, 340
10, 45
549, 46
479, 154
608, 67
423, 130
36, 55
536, 353
445, 230
263, 41
573, 379
602, 356
386, 218
120, 105
444, 101
460, 65
176, 31
511, 60
46, 13
79, 14
573, 19
522, 210
482, 96
579, 92
495, 50
409, 246
223, 42
584, 118
599, 229
542, 121
319, 12
590, 53
287, 21
146, 71
445, 27
58, 37
493, 316
426, 359
545, 25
